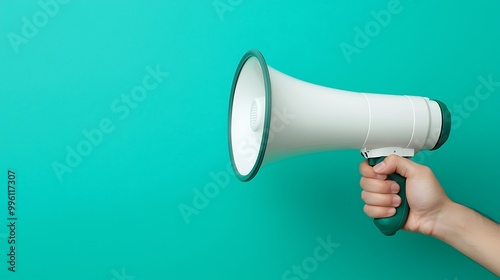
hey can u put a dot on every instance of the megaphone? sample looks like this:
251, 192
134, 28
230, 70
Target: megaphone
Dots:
273, 115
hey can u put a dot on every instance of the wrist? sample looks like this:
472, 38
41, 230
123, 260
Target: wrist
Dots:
449, 221
437, 223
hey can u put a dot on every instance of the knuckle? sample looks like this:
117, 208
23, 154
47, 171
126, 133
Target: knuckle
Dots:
363, 195
392, 158
366, 209
364, 182
426, 170
364, 169
361, 167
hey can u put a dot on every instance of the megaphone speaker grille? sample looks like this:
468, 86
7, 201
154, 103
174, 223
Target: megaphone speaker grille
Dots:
253, 117
249, 115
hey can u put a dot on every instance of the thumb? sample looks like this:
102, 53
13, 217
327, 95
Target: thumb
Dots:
396, 164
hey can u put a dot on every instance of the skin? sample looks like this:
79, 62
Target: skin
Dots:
431, 211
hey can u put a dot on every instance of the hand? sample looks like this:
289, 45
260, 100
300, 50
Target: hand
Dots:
425, 195
431, 211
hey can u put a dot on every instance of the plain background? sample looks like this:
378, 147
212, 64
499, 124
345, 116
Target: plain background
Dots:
116, 215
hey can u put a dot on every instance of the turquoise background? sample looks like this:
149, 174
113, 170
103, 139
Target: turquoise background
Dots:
117, 216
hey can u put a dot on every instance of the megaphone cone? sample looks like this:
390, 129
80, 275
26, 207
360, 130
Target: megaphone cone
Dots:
272, 115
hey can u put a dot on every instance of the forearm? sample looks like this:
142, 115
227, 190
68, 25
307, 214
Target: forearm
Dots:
472, 234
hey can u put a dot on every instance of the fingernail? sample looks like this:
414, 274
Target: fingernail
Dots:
396, 201
394, 188
391, 211
379, 167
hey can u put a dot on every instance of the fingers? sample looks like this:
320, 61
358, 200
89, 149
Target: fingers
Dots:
367, 171
380, 197
379, 212
384, 200
396, 164
380, 205
378, 186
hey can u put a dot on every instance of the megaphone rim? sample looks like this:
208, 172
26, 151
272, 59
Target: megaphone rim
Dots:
445, 125
267, 115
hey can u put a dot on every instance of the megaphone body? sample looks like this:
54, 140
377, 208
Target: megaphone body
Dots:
273, 115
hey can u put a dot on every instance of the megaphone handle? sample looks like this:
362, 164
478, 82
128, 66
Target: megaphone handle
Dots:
389, 226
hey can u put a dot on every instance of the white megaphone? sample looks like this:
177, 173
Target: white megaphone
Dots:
272, 115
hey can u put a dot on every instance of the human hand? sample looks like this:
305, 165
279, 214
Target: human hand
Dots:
424, 193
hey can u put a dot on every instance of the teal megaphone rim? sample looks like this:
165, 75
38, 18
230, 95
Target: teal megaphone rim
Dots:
267, 116
445, 125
